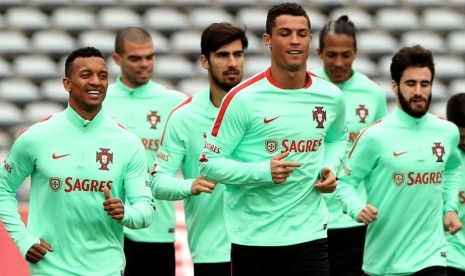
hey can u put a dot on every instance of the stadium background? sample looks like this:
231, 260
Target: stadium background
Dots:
36, 36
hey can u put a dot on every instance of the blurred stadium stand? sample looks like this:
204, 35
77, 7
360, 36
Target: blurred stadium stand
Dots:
37, 35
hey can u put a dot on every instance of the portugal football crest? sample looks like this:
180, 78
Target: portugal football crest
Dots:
104, 158
153, 119
271, 146
439, 151
361, 112
319, 115
54, 183
398, 178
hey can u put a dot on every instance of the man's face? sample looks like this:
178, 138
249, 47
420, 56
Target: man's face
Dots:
338, 55
289, 42
414, 91
87, 84
136, 63
225, 66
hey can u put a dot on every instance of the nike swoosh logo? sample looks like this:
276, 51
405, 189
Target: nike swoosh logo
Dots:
54, 156
399, 153
266, 121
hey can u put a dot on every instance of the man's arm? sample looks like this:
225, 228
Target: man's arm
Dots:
452, 177
357, 168
139, 212
215, 162
171, 155
336, 139
17, 166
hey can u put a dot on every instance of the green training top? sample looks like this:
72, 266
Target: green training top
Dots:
411, 170
365, 104
144, 111
257, 120
70, 161
456, 243
182, 143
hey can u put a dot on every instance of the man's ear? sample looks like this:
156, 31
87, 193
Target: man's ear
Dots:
116, 59
267, 40
66, 84
204, 61
394, 87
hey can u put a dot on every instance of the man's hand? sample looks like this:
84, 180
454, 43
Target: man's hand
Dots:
280, 170
368, 214
37, 251
327, 183
113, 205
452, 222
201, 185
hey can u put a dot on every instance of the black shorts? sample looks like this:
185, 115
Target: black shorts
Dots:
304, 259
451, 271
212, 269
431, 271
142, 257
345, 250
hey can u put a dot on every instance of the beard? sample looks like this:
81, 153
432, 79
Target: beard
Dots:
405, 104
226, 86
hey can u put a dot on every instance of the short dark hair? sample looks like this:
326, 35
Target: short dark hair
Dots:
78, 53
218, 34
284, 9
415, 56
340, 26
132, 34
455, 109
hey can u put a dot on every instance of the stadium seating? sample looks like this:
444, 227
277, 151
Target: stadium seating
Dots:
117, 18
36, 111
165, 20
428, 39
72, 19
53, 90
376, 43
362, 19
14, 43
54, 43
35, 67
442, 19
19, 91
10, 114
37, 35
396, 20
5, 68
457, 86
101, 39
15, 18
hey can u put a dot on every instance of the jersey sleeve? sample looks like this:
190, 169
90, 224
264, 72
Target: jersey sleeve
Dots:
139, 213
357, 168
336, 140
170, 157
17, 166
216, 162
381, 109
452, 177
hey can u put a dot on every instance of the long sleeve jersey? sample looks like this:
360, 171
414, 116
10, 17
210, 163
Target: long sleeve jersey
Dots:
182, 143
365, 104
456, 243
411, 170
144, 111
258, 120
70, 161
